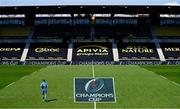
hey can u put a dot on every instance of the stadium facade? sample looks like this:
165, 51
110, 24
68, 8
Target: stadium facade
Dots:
90, 34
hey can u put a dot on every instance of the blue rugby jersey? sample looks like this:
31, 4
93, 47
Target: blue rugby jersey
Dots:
44, 85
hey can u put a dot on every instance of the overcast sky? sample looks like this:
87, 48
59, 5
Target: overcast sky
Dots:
86, 2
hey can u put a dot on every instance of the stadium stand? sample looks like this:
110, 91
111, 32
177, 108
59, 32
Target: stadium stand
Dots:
11, 51
47, 51
60, 31
88, 52
137, 51
171, 51
167, 31
14, 31
81, 32
132, 31
89, 33
52, 31
104, 32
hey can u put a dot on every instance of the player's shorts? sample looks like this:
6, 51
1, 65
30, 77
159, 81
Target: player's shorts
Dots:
44, 92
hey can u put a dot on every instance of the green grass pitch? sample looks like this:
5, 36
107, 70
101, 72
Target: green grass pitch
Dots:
135, 86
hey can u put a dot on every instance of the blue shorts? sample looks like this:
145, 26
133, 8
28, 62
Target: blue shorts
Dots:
44, 92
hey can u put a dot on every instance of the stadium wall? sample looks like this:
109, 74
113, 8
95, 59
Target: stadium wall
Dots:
13, 62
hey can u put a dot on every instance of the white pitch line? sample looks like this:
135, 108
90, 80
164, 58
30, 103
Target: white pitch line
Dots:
93, 77
10, 84
163, 77
170, 80
176, 83
93, 71
24, 77
94, 105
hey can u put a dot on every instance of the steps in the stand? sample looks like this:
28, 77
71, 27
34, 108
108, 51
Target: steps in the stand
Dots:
115, 52
158, 47
25, 52
70, 52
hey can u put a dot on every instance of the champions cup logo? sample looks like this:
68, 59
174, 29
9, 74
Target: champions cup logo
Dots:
94, 90
94, 85
10, 49
137, 49
46, 49
91, 50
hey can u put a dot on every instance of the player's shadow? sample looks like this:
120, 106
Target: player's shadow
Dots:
51, 100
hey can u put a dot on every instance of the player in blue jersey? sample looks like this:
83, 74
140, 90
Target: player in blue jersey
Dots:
44, 90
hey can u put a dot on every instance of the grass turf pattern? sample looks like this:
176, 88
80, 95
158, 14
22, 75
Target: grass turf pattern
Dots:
135, 87
9, 74
171, 72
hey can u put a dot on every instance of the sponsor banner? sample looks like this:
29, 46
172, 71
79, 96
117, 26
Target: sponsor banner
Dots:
46, 49
9, 49
93, 62
141, 62
171, 49
94, 90
9, 62
137, 49
148, 63
172, 63
48, 62
92, 50
169, 62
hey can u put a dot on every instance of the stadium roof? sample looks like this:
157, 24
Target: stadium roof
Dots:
118, 9
86, 2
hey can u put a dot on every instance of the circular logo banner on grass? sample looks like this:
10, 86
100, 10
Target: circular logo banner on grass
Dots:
94, 90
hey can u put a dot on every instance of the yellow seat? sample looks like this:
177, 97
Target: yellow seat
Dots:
14, 31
